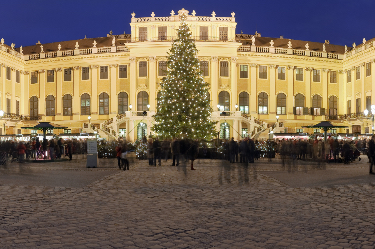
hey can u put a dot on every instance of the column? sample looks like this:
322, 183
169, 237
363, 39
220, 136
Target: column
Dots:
13, 93
76, 107
308, 87
235, 129
94, 92
342, 93
240, 129
133, 77
290, 97
24, 93
253, 89
272, 97
233, 83
152, 83
372, 82
3, 97
113, 98
131, 130
363, 95
353, 76
42, 92
214, 82
325, 89
59, 75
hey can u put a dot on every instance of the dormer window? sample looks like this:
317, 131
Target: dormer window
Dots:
143, 34
203, 33
223, 33
162, 33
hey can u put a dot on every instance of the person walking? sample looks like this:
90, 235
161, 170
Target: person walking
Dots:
70, 149
157, 151
371, 153
150, 151
52, 149
21, 152
232, 150
118, 155
165, 147
175, 149
192, 152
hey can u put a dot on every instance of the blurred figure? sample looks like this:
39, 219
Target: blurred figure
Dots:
175, 149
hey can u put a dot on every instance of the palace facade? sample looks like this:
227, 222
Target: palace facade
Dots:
110, 84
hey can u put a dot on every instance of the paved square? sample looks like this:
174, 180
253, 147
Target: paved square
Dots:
219, 205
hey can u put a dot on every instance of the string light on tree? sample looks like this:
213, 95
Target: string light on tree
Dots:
183, 106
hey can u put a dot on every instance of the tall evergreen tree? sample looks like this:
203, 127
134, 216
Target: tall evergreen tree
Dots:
184, 106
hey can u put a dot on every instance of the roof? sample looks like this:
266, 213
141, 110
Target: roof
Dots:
296, 44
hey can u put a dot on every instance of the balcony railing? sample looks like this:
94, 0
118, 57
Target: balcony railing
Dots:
172, 38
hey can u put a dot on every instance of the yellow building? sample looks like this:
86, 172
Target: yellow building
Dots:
112, 82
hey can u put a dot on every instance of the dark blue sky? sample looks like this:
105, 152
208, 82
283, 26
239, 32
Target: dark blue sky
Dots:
343, 22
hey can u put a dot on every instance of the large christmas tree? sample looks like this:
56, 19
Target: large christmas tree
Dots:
184, 106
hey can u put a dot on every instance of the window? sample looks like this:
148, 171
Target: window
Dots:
50, 75
162, 68
8, 106
332, 105
33, 107
85, 104
316, 75
85, 73
224, 101
349, 103
122, 71
224, 72
368, 69
316, 130
9, 73
122, 102
281, 73
143, 69
68, 74
162, 33
358, 73
141, 130
224, 131
358, 106
204, 68
349, 76
244, 132
299, 100
67, 105
262, 72
223, 33
281, 104
17, 107
368, 103
316, 105
18, 80
34, 77
244, 102
333, 77
334, 131
142, 101
299, 74
67, 131
244, 71
122, 132
298, 130
143, 34
203, 33
262, 103
103, 104
103, 72
50, 105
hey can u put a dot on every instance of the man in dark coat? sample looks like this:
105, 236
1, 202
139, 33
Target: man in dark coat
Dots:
371, 152
232, 150
157, 151
175, 149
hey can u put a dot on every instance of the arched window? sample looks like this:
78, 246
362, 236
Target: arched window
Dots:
85, 104
244, 102
281, 104
224, 131
224, 100
299, 104
50, 105
141, 130
142, 101
67, 105
263, 103
332, 106
33, 107
122, 102
103, 104
316, 105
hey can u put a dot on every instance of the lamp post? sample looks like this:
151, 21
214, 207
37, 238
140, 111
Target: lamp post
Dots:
236, 106
130, 107
89, 118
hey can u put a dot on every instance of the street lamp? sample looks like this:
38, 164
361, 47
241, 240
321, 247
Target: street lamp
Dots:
236, 106
89, 117
148, 107
130, 107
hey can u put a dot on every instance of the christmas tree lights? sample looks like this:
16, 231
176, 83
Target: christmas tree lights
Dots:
184, 106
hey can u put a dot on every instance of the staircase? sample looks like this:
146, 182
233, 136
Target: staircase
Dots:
110, 126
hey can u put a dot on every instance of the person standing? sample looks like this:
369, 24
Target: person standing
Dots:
70, 150
165, 147
21, 152
175, 149
157, 151
371, 153
118, 155
232, 150
192, 152
150, 151
52, 149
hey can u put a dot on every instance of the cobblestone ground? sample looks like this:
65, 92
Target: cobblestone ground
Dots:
219, 205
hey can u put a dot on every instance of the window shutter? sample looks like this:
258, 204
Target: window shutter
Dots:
305, 111
322, 111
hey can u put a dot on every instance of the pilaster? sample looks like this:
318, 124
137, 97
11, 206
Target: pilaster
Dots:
42, 92
3, 99
133, 75
94, 91
114, 98
363, 95
290, 97
13, 93
253, 89
152, 82
325, 89
373, 82
342, 93
76, 108
23, 93
59, 75
308, 86
214, 81
353, 102
233, 83
272, 107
